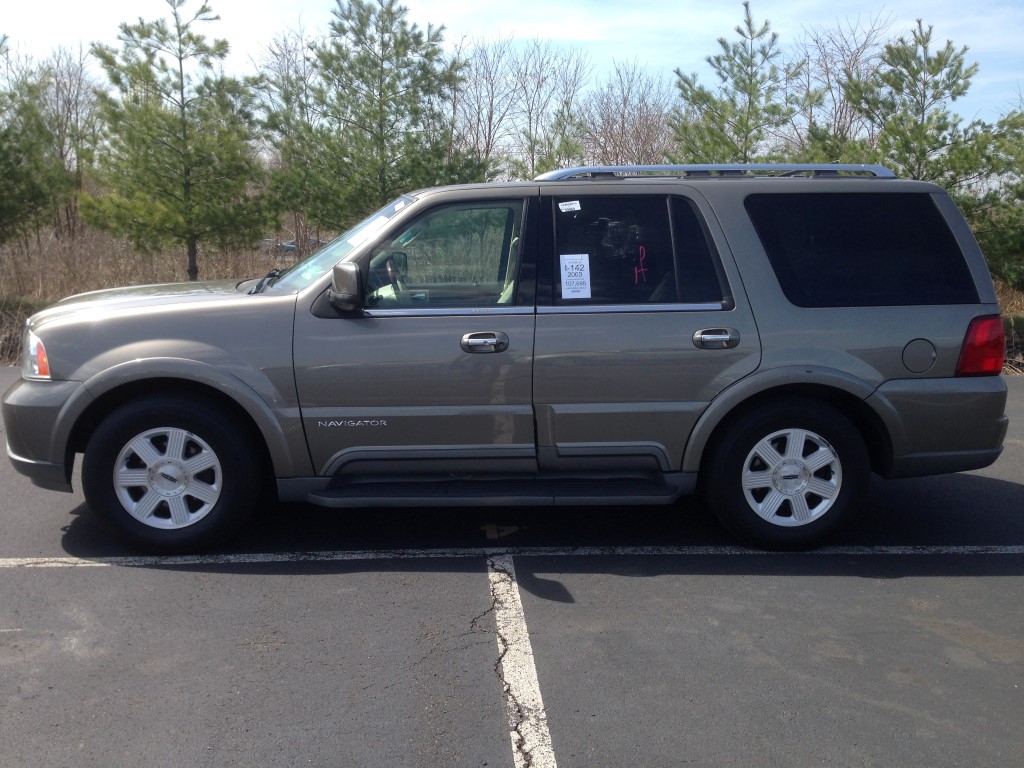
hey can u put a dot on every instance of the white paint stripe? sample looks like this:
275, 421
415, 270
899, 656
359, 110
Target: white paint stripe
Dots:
527, 719
275, 558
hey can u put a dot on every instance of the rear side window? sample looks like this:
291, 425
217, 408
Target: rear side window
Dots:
861, 250
632, 250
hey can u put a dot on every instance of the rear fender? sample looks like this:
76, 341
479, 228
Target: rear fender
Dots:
789, 379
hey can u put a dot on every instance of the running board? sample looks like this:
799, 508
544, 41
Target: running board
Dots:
516, 493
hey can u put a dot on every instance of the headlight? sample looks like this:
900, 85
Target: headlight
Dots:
34, 364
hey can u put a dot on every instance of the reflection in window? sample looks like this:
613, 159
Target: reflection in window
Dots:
454, 256
619, 250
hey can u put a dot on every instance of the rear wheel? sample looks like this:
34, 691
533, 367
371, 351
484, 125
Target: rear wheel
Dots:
785, 476
168, 474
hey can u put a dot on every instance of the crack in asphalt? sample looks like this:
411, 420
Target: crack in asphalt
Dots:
516, 716
531, 742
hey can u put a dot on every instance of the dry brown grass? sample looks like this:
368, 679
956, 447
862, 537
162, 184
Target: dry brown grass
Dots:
1010, 301
39, 272
1012, 304
47, 270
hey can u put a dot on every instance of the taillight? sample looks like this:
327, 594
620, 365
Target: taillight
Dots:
35, 365
984, 350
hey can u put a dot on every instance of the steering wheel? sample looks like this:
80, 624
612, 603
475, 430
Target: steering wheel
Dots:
394, 276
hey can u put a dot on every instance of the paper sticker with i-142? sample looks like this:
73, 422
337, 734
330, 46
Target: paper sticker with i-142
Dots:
575, 275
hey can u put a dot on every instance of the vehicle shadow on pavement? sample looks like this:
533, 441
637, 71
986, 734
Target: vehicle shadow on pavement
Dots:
946, 512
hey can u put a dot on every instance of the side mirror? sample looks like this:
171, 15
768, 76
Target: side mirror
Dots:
346, 293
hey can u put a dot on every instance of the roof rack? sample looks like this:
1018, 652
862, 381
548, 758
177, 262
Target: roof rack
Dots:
731, 170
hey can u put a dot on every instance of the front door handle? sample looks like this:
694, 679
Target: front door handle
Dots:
716, 338
485, 341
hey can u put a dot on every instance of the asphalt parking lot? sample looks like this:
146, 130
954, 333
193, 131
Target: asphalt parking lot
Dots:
507, 637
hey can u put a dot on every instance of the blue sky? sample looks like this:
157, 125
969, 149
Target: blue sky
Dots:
660, 35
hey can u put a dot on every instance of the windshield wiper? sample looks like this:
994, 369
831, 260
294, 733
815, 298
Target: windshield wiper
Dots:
265, 280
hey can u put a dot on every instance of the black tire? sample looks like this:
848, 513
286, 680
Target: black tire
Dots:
786, 475
171, 475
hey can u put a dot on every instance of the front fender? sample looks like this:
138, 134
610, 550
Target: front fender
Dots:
275, 413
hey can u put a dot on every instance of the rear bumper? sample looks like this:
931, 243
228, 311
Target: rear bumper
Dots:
918, 465
942, 425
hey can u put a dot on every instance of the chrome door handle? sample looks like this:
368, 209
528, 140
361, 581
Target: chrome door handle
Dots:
716, 338
485, 341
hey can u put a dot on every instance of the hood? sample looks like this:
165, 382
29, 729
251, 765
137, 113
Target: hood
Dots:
140, 296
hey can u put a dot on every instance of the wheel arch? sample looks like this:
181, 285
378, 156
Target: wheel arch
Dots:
846, 394
114, 387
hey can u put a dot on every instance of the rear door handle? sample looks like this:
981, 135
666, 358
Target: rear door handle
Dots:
716, 338
484, 341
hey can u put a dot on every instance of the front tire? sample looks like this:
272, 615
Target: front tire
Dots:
170, 475
786, 475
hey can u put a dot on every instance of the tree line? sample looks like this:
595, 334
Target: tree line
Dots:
152, 141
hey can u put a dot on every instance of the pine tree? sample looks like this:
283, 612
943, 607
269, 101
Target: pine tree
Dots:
734, 124
908, 101
381, 128
177, 162
33, 180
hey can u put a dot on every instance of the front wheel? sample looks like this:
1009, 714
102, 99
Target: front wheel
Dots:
785, 476
168, 474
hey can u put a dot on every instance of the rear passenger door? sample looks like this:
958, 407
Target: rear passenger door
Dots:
640, 323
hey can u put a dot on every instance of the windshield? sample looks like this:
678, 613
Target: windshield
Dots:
305, 273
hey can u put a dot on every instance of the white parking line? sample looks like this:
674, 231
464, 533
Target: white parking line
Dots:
270, 558
527, 718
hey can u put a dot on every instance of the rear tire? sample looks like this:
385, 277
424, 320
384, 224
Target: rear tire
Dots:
171, 475
785, 476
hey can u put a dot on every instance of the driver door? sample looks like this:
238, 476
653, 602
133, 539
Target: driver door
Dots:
436, 375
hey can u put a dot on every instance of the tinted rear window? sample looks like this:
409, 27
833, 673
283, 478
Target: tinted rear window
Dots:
851, 250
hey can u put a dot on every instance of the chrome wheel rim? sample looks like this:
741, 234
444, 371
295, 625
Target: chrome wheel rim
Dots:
792, 477
168, 478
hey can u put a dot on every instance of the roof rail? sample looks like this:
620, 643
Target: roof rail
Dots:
736, 169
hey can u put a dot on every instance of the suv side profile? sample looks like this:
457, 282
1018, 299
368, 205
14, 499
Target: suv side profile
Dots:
768, 336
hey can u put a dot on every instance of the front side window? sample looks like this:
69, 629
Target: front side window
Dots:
464, 255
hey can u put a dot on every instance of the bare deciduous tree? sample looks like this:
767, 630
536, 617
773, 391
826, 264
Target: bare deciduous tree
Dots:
827, 123
517, 107
487, 101
71, 112
627, 118
550, 82
289, 77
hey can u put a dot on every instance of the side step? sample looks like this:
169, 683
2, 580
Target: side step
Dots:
507, 492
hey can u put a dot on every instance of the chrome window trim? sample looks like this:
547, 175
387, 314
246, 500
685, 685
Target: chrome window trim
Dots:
591, 309
449, 312
588, 309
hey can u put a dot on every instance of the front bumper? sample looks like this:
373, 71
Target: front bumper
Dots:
52, 477
37, 435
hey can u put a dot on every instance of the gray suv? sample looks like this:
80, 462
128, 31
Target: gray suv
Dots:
766, 335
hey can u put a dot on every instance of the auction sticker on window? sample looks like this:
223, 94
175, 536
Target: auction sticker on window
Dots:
575, 275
